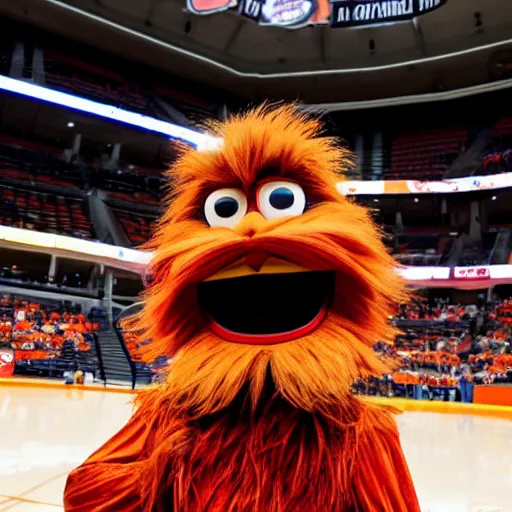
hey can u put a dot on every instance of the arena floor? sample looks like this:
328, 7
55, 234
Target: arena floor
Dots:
460, 463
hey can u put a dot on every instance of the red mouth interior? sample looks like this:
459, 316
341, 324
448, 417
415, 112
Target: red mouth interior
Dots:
267, 309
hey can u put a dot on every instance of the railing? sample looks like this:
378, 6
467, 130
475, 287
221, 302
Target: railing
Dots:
126, 313
133, 369
100, 360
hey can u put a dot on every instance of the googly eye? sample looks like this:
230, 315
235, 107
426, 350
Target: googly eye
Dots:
225, 207
278, 199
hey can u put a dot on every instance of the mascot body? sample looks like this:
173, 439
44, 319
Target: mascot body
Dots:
269, 289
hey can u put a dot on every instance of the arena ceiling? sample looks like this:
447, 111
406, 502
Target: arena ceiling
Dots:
463, 43
41, 121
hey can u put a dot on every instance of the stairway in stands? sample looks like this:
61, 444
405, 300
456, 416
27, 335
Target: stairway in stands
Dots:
143, 375
117, 367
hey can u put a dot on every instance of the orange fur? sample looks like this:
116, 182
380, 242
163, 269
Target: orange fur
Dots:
269, 428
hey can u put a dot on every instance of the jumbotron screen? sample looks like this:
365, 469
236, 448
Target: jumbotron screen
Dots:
336, 13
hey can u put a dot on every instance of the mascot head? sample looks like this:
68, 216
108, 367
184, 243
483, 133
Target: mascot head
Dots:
264, 275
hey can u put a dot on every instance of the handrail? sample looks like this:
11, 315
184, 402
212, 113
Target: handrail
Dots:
116, 327
100, 360
133, 370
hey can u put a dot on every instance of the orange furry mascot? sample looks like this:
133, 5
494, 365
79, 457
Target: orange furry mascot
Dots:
269, 290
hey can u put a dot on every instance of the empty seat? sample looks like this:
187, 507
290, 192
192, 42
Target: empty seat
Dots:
425, 155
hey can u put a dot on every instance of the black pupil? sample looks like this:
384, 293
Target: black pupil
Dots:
226, 207
281, 198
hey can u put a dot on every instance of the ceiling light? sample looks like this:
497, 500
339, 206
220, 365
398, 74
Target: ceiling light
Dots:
493, 198
71, 124
201, 140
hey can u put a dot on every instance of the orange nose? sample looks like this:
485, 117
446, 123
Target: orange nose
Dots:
251, 224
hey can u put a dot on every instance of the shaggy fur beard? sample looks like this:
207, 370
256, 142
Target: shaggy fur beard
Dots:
238, 428
276, 459
243, 419
311, 373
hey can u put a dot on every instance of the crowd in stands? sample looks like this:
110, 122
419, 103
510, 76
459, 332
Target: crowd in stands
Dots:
498, 152
444, 349
48, 339
419, 309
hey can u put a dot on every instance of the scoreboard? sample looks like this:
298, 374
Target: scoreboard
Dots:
336, 13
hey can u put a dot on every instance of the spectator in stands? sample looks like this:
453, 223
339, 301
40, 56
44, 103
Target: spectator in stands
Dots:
440, 348
40, 334
466, 384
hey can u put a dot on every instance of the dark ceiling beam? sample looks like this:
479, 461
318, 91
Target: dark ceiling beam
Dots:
418, 34
153, 4
321, 43
234, 35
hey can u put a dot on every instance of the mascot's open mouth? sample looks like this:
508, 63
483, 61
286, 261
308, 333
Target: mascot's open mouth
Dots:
266, 307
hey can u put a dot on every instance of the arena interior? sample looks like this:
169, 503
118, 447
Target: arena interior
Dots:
93, 96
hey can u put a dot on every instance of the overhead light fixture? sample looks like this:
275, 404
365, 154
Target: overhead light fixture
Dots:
375, 200
416, 200
201, 140
71, 124
493, 198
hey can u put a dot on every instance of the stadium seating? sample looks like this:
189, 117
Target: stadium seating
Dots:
479, 254
498, 153
134, 197
25, 161
72, 75
194, 108
425, 155
137, 227
425, 249
48, 338
44, 212
437, 343
84, 79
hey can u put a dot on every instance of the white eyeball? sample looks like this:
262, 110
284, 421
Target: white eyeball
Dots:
225, 207
278, 199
